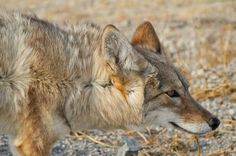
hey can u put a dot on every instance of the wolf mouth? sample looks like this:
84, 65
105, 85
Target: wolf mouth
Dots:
181, 128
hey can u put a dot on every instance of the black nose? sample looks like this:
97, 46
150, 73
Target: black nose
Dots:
214, 123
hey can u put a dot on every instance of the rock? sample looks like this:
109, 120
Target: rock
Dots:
132, 144
130, 147
122, 150
194, 147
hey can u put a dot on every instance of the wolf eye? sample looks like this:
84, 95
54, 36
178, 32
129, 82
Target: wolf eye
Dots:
172, 93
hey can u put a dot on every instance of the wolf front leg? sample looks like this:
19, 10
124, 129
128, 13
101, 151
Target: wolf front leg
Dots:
35, 136
33, 144
36, 132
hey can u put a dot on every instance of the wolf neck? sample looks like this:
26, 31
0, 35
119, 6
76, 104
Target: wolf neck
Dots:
93, 101
101, 100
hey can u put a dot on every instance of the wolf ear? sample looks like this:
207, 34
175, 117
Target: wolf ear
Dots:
116, 49
146, 37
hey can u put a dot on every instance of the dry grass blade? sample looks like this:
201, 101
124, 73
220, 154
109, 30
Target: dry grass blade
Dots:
91, 138
153, 139
226, 151
198, 146
166, 150
143, 137
143, 154
227, 131
217, 153
216, 91
139, 134
229, 121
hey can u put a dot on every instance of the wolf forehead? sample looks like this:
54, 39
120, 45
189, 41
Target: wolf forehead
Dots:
166, 71
170, 74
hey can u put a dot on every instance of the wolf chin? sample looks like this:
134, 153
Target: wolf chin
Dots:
56, 79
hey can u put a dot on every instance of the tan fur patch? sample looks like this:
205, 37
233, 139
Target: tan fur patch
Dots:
192, 117
119, 83
193, 112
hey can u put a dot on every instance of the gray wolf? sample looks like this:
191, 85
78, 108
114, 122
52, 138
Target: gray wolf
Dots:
56, 79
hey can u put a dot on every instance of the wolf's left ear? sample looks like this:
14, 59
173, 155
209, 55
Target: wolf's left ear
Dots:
146, 37
116, 49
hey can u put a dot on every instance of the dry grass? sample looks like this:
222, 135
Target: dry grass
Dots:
81, 134
210, 55
206, 93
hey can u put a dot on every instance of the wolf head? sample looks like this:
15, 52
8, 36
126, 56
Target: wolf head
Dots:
167, 99
134, 84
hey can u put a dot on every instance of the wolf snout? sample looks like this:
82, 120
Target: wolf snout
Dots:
214, 122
